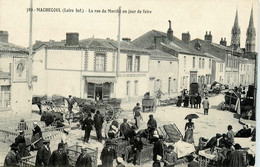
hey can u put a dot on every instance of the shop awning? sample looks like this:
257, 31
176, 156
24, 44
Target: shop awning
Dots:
100, 80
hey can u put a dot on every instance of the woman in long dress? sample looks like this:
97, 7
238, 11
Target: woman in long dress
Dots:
189, 132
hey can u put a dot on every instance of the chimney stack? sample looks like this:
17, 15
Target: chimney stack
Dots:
223, 42
4, 36
170, 32
208, 37
72, 39
126, 39
186, 37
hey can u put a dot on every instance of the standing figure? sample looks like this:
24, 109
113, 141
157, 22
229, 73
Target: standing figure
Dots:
189, 132
108, 154
236, 158
107, 127
87, 126
20, 143
98, 122
186, 101
43, 154
192, 101
12, 159
151, 125
170, 157
70, 104
230, 134
158, 147
22, 125
198, 101
124, 129
206, 106
137, 115
179, 101
137, 148
84, 160
59, 158
37, 136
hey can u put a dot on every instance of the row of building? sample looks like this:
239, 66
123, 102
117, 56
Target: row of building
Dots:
155, 61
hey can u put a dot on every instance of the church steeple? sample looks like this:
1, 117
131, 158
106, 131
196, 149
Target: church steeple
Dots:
235, 33
250, 34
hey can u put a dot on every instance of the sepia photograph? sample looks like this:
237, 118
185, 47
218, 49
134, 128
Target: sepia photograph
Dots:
117, 83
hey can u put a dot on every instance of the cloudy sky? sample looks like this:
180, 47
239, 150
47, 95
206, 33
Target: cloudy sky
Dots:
197, 17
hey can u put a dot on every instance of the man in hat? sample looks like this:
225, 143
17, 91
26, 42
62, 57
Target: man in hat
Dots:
108, 154
213, 142
124, 129
20, 142
205, 104
43, 154
84, 160
119, 162
98, 122
236, 158
137, 115
151, 124
59, 158
87, 126
137, 148
12, 159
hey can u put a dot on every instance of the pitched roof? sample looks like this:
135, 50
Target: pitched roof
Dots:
8, 47
160, 55
147, 41
213, 57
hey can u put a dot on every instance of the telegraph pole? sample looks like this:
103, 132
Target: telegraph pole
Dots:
30, 47
118, 43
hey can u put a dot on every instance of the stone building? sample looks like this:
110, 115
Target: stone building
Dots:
15, 93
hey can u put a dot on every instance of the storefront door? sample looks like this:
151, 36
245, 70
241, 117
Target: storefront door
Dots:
98, 92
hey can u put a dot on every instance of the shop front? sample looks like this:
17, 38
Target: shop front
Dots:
99, 87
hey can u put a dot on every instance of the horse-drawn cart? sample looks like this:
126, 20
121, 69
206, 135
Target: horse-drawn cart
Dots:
150, 103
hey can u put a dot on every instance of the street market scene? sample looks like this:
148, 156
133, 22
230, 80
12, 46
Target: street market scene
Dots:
161, 99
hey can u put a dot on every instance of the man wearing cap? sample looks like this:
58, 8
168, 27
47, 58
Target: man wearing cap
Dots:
21, 145
37, 134
124, 128
43, 154
59, 158
12, 159
137, 115
108, 154
237, 158
98, 122
87, 126
213, 142
84, 160
170, 157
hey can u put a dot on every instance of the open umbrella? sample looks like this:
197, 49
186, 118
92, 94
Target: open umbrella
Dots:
191, 116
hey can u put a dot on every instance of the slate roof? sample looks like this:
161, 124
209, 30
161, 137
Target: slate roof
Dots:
160, 55
8, 47
147, 41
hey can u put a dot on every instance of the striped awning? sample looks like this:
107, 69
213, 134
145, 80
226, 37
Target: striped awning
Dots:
100, 80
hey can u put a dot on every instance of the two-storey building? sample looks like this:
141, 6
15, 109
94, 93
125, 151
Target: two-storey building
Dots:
15, 93
88, 68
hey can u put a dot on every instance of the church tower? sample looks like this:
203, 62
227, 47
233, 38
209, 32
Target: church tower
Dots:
250, 35
235, 34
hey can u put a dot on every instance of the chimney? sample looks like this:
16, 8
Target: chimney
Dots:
4, 36
126, 39
186, 37
223, 42
208, 37
170, 32
72, 39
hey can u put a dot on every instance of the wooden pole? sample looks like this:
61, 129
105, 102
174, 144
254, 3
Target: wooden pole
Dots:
30, 47
118, 43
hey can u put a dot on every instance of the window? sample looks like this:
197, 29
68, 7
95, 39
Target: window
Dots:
199, 62
209, 63
184, 62
136, 87
5, 97
203, 63
193, 62
128, 88
221, 67
129, 63
100, 62
137, 63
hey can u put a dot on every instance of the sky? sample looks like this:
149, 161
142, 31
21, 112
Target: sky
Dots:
197, 17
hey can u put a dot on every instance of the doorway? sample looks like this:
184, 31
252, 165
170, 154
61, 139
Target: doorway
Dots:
98, 92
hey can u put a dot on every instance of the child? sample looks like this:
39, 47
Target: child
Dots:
170, 157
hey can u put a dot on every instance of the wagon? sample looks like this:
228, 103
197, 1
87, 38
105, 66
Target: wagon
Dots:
150, 103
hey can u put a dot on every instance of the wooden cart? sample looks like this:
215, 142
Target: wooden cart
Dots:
150, 103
